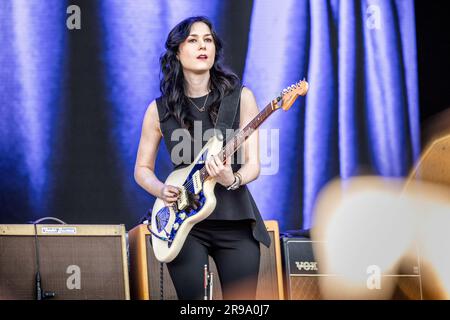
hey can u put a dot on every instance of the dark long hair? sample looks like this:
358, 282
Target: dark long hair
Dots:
172, 84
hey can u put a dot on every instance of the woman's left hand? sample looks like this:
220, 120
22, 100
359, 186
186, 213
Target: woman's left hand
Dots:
223, 173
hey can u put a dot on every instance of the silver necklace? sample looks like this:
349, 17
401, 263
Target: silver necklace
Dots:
204, 104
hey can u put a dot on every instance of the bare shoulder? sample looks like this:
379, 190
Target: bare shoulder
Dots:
151, 118
151, 114
248, 106
248, 101
247, 95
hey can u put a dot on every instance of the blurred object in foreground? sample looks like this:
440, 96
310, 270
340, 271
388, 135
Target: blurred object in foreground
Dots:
374, 228
436, 127
434, 163
303, 273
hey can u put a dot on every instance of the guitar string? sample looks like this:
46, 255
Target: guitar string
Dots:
264, 114
236, 138
235, 146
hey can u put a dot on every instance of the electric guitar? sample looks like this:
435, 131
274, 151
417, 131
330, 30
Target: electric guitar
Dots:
170, 226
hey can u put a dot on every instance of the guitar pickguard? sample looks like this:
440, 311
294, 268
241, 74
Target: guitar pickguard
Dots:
162, 216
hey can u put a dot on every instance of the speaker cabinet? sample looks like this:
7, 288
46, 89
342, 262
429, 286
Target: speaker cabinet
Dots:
302, 273
145, 269
76, 261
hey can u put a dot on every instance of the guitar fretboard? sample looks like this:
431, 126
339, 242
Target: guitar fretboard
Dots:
239, 138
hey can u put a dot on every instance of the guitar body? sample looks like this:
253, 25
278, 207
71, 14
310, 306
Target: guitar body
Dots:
166, 251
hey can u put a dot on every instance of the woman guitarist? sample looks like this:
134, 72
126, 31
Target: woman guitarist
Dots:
193, 85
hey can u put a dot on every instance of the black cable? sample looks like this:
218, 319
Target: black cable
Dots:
38, 275
161, 280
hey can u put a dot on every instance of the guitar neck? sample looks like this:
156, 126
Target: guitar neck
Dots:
239, 138
287, 98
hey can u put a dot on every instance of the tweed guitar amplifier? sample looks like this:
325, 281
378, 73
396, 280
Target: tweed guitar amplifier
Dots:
145, 269
75, 261
302, 272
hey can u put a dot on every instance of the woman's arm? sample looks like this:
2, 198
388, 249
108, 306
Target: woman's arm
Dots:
144, 169
251, 167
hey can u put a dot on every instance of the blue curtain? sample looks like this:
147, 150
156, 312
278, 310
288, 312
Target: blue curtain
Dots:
32, 59
361, 112
359, 116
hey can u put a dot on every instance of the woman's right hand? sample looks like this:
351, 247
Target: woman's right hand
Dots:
169, 194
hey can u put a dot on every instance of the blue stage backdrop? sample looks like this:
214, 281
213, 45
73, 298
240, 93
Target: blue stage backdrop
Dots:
72, 100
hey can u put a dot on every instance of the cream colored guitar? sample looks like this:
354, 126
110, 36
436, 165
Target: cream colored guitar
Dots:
171, 225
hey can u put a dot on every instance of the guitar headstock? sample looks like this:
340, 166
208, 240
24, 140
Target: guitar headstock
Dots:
290, 94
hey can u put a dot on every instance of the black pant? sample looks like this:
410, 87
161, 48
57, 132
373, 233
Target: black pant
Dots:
235, 252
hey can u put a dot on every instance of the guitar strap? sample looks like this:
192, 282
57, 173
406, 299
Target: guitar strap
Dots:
228, 110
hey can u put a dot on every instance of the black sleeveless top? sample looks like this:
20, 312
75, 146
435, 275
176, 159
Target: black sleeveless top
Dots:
231, 204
